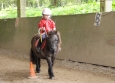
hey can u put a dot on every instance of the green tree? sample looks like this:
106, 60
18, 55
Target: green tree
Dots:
55, 2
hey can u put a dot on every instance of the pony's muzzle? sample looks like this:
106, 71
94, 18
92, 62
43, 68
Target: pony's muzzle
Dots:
53, 50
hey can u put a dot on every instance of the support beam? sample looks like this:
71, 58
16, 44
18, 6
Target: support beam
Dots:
105, 5
108, 5
102, 5
21, 8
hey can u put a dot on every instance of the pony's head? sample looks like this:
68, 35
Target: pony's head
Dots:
52, 41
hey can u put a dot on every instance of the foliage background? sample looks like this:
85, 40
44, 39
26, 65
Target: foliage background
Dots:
8, 8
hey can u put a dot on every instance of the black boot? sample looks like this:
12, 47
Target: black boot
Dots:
38, 49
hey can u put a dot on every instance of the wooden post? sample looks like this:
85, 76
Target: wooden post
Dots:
21, 8
105, 5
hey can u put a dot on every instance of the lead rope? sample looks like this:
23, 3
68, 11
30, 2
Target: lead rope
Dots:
41, 38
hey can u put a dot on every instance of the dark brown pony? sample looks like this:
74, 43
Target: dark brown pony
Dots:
49, 52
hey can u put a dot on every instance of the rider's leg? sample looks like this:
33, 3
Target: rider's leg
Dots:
40, 42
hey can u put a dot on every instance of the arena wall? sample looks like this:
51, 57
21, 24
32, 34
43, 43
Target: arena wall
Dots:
81, 40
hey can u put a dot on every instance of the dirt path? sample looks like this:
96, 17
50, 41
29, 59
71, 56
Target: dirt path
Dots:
15, 69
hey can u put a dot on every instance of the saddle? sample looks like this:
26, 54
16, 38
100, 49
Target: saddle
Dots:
40, 45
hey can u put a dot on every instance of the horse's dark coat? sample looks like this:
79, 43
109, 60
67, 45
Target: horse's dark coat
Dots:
49, 52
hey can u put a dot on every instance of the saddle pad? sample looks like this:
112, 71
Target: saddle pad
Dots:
36, 43
43, 44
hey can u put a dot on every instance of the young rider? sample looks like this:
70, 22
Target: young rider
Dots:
47, 24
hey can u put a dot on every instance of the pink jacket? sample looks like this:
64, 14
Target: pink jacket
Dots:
49, 25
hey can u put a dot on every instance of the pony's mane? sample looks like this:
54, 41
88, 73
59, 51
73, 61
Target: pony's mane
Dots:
55, 33
52, 33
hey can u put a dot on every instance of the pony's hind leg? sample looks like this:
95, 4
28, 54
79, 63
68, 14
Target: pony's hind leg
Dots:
38, 65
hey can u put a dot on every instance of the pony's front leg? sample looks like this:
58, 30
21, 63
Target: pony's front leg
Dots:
50, 68
38, 65
53, 59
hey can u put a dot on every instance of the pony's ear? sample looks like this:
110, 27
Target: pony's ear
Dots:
56, 31
49, 34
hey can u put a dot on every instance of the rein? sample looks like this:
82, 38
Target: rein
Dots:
42, 53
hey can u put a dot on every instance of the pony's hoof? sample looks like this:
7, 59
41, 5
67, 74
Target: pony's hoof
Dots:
52, 78
38, 71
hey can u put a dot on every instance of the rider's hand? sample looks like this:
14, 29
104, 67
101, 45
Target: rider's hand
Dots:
43, 29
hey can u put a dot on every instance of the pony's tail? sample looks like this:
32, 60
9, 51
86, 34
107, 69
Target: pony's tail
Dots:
32, 56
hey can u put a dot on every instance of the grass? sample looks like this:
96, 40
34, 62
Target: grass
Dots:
63, 10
